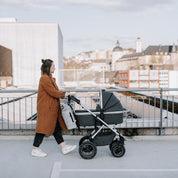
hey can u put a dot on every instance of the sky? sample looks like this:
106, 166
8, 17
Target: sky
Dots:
89, 25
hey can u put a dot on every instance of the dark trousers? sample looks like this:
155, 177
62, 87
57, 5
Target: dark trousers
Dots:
57, 135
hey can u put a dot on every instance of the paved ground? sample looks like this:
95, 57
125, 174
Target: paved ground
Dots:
146, 157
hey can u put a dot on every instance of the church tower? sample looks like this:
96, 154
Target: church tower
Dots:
138, 45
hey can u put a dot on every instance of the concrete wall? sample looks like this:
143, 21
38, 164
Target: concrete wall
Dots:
30, 42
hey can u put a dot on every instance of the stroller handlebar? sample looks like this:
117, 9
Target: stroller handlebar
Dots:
74, 99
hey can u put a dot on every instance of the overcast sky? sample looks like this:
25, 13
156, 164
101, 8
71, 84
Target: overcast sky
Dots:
96, 24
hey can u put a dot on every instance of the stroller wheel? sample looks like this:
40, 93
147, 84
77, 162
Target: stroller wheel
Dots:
85, 138
87, 150
116, 141
110, 146
117, 150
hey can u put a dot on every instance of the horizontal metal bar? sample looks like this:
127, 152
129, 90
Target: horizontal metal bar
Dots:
16, 99
18, 91
92, 90
87, 113
141, 89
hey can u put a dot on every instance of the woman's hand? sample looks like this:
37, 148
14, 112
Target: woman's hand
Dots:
63, 95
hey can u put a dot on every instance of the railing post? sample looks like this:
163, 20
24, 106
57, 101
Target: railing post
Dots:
161, 112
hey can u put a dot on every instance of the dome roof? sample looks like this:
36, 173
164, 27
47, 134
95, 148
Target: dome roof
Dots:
117, 48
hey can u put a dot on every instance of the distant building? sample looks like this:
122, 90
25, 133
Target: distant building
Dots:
95, 55
118, 52
85, 56
145, 79
139, 45
153, 57
8, 20
27, 44
104, 54
100, 65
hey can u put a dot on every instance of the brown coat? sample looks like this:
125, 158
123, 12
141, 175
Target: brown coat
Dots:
48, 106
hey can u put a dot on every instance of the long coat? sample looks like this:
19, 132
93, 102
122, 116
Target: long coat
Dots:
48, 106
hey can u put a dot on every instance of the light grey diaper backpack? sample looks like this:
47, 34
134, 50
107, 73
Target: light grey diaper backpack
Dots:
68, 116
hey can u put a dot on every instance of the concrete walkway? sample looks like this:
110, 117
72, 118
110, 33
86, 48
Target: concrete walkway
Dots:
146, 157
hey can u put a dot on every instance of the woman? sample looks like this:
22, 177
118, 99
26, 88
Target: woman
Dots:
49, 118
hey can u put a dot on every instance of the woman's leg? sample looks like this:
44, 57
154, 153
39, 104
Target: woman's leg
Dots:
58, 135
38, 140
59, 138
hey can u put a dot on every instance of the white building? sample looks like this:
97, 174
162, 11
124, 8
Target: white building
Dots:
118, 52
153, 57
101, 54
100, 65
95, 55
148, 79
29, 43
173, 81
84, 56
138, 45
8, 20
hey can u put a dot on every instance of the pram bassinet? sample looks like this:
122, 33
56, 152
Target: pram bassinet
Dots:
110, 111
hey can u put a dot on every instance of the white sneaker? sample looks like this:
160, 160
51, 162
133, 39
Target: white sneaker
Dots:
38, 152
68, 148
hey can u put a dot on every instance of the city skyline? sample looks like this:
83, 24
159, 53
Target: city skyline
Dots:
96, 25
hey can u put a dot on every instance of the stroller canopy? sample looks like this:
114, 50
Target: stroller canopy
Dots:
110, 102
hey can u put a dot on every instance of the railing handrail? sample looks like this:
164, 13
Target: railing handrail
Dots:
160, 95
19, 91
90, 90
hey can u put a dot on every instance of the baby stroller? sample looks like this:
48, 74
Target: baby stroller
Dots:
109, 112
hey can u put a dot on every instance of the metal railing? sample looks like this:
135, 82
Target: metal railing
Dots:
143, 108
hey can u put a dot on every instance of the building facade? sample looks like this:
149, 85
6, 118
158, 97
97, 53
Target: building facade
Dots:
29, 43
153, 57
148, 79
118, 52
139, 45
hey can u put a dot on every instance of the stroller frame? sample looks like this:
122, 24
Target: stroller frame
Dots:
87, 144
